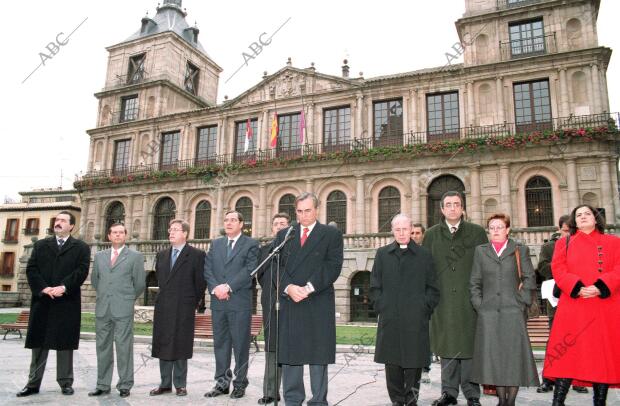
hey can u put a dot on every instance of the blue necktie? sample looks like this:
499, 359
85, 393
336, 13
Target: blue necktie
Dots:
229, 248
60, 243
175, 254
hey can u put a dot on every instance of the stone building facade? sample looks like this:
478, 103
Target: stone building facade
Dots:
522, 126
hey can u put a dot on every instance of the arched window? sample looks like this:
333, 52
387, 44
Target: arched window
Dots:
389, 206
436, 189
202, 220
538, 202
244, 206
164, 212
287, 205
336, 209
114, 214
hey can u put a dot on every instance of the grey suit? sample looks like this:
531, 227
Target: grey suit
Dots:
231, 318
117, 288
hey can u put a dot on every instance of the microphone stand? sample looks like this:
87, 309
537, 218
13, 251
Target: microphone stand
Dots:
275, 253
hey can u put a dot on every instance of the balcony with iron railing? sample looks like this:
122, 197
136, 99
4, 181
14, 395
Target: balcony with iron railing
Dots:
504, 4
608, 121
526, 47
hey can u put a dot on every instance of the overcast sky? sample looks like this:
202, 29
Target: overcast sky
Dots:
44, 119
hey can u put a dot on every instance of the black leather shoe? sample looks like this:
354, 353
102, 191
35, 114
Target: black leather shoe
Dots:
546, 386
27, 391
445, 400
580, 389
98, 392
159, 391
265, 400
217, 391
181, 392
237, 393
124, 393
67, 390
473, 402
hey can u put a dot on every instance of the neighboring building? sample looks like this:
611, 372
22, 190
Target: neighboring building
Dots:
369, 147
25, 222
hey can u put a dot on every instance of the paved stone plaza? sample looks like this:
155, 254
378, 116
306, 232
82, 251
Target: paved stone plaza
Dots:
354, 380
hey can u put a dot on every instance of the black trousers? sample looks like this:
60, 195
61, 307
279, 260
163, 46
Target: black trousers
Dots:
403, 384
64, 367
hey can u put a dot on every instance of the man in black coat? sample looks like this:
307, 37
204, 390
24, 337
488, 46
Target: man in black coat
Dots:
404, 290
267, 278
181, 285
312, 262
57, 267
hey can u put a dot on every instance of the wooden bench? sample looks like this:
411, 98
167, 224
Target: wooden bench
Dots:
20, 324
538, 330
203, 327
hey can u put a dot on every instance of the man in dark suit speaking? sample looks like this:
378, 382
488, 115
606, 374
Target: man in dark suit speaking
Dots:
312, 261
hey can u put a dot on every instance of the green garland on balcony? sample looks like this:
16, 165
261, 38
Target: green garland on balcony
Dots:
210, 172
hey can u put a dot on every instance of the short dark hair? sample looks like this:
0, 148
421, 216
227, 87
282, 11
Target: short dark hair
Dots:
419, 225
451, 193
563, 220
281, 216
499, 216
115, 225
600, 221
71, 216
239, 215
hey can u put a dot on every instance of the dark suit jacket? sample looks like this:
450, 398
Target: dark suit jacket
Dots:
266, 277
180, 290
308, 328
235, 271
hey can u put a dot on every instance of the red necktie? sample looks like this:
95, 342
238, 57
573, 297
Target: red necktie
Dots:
114, 256
304, 236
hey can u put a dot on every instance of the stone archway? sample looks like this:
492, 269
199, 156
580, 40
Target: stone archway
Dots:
436, 189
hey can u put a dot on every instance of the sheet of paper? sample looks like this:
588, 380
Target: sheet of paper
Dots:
546, 292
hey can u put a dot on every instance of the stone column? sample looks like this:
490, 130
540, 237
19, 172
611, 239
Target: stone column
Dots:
416, 215
414, 110
370, 130
564, 109
262, 136
359, 204
499, 94
604, 91
129, 216
359, 110
309, 185
596, 88
263, 219
181, 211
144, 232
471, 113
84, 218
504, 189
475, 205
219, 211
606, 191
91, 155
98, 217
104, 156
589, 89
310, 133
571, 178
406, 128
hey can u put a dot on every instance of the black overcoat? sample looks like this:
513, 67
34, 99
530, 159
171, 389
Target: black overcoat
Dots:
180, 290
308, 328
55, 323
404, 290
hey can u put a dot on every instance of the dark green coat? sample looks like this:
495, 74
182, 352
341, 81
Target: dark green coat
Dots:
453, 324
403, 287
544, 269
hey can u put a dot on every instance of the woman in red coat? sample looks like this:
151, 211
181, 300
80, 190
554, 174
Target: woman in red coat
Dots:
584, 346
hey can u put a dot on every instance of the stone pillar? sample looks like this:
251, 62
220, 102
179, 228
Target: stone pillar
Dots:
181, 211
219, 211
144, 233
370, 130
309, 185
129, 216
98, 217
606, 191
406, 128
413, 126
596, 89
504, 189
571, 178
564, 109
359, 110
221, 138
359, 204
84, 218
604, 92
474, 206
471, 113
310, 133
589, 89
91, 155
416, 215
104, 156
263, 219
263, 135
499, 94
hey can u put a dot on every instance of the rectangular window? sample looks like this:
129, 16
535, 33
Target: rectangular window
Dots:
388, 125
532, 106
169, 150
527, 38
50, 230
206, 145
135, 72
6, 288
8, 264
12, 231
121, 156
442, 113
336, 129
192, 74
240, 140
129, 108
288, 135
32, 227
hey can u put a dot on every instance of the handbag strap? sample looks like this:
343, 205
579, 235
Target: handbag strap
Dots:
518, 258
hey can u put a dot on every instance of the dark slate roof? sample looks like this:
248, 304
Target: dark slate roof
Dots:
169, 18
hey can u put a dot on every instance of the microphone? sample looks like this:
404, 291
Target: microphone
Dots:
290, 230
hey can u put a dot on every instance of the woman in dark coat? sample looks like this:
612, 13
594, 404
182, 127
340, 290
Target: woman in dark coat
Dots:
500, 292
584, 345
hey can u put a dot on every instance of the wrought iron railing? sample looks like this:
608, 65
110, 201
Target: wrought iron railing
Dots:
526, 47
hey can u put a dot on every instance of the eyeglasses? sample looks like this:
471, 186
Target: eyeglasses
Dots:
174, 230
497, 228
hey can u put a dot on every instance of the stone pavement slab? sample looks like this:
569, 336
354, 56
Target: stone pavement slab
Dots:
354, 380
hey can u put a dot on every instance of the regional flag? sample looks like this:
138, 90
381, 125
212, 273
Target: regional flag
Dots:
273, 141
248, 136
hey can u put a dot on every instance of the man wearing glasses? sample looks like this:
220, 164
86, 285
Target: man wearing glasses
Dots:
181, 286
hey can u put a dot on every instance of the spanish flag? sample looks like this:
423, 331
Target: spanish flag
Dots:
273, 140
